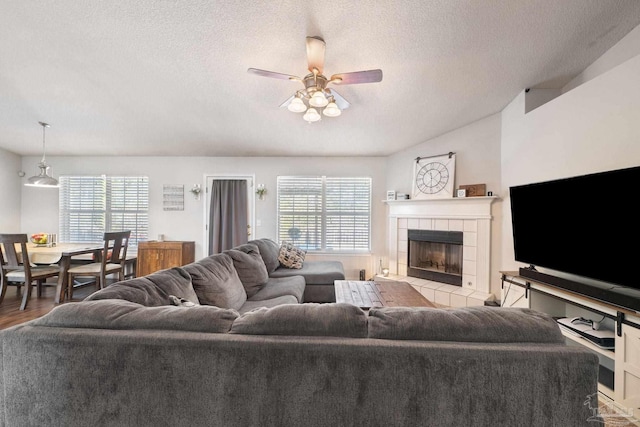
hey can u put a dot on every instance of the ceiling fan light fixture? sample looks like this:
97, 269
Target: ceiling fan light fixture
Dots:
297, 106
318, 99
332, 110
43, 179
311, 115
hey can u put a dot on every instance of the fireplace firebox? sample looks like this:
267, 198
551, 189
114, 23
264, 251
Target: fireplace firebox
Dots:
435, 255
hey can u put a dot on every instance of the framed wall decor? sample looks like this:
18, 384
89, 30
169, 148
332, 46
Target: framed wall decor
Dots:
391, 195
173, 197
433, 176
475, 190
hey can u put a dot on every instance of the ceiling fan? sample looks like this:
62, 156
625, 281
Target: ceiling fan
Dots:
316, 94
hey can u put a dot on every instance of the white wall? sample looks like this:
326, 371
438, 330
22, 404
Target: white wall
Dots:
9, 192
40, 206
621, 52
594, 127
477, 148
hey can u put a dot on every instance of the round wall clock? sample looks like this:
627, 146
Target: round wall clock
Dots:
433, 176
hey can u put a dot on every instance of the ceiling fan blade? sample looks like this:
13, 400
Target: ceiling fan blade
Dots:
370, 76
315, 53
342, 103
273, 75
287, 102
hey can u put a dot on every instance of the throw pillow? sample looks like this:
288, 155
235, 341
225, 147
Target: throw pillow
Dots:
250, 267
291, 256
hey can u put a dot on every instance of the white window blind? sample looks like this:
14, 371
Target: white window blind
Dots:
325, 213
91, 205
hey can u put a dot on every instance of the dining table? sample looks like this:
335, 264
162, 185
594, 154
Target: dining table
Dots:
61, 254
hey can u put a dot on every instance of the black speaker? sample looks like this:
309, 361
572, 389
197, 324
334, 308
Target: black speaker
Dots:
361, 274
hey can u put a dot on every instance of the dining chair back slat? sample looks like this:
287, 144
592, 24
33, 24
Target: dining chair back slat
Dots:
112, 261
11, 257
16, 267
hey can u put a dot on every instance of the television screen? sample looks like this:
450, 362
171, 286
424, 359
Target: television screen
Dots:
586, 225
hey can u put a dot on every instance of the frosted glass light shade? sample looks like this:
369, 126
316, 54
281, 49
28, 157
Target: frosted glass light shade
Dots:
311, 115
332, 110
297, 106
318, 100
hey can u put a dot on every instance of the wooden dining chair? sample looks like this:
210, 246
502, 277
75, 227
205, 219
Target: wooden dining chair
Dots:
17, 270
112, 261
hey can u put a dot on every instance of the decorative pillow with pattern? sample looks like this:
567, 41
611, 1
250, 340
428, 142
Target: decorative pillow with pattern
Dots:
291, 256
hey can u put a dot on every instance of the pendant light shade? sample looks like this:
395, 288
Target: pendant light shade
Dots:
318, 99
311, 115
332, 110
44, 179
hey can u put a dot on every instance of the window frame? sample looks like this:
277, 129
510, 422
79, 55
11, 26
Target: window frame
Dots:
107, 198
324, 213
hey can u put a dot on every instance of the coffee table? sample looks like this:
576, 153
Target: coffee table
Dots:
366, 294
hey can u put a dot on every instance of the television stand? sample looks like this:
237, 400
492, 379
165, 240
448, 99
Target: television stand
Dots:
619, 377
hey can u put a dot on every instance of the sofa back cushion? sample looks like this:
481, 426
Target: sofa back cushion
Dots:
468, 324
250, 267
120, 314
332, 319
151, 290
269, 251
216, 282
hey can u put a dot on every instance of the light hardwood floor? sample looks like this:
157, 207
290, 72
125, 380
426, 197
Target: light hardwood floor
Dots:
10, 313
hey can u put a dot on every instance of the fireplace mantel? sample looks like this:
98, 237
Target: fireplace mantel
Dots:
472, 216
454, 207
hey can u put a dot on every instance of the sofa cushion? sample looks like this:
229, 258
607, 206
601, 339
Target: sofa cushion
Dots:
468, 324
333, 319
120, 314
314, 272
216, 282
273, 302
291, 256
151, 290
250, 267
292, 285
269, 251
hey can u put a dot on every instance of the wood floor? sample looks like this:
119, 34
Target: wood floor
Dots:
10, 313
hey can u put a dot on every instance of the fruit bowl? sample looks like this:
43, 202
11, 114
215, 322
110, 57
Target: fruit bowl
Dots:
39, 238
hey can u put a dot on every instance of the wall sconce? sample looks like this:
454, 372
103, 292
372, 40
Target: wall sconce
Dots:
261, 191
196, 190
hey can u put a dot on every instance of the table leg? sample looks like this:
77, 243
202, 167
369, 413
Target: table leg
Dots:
63, 280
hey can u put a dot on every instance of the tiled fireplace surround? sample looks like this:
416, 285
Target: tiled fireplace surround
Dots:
470, 215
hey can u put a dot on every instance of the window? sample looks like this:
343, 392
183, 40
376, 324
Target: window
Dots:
323, 213
91, 205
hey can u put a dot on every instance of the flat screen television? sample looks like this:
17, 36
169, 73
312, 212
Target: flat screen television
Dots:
587, 226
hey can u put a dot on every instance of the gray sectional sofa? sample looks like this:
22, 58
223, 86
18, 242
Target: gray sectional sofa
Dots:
119, 363
319, 276
234, 351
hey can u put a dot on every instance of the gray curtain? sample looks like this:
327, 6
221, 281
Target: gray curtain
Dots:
228, 215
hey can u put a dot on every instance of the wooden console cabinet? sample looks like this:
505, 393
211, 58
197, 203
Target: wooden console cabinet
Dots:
154, 255
619, 376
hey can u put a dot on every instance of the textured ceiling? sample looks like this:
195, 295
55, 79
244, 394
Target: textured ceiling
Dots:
153, 77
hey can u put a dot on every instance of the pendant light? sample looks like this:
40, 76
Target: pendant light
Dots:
44, 179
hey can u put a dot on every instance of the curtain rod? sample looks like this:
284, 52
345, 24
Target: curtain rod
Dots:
450, 154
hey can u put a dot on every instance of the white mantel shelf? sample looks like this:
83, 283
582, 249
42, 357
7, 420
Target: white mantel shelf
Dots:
490, 199
453, 207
